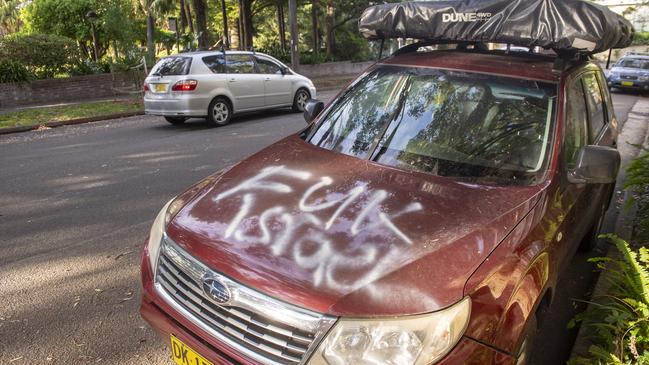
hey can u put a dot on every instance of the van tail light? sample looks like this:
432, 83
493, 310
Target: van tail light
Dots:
146, 87
185, 85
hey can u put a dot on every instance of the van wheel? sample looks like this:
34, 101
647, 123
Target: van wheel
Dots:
219, 112
300, 99
590, 239
525, 351
175, 120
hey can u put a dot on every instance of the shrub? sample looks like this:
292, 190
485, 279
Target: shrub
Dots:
11, 71
278, 52
43, 54
88, 67
641, 38
638, 181
620, 319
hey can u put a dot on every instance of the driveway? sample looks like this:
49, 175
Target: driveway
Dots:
76, 203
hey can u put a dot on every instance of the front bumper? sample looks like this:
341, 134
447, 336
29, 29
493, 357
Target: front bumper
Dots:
166, 322
620, 83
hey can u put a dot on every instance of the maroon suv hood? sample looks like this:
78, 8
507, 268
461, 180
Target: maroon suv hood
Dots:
345, 236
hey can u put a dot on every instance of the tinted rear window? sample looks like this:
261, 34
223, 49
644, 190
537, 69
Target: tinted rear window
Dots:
172, 66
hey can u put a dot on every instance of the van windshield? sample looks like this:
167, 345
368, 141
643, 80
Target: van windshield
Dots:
470, 126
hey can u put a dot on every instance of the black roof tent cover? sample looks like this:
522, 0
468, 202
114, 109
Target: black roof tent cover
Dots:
562, 25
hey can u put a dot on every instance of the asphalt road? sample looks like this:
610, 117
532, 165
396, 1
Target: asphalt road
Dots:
76, 203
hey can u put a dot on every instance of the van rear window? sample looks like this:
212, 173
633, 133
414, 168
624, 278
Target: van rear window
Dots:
172, 66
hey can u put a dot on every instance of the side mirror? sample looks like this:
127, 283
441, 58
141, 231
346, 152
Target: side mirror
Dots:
596, 165
311, 109
284, 70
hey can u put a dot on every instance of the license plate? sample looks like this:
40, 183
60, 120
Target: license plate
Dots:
185, 355
160, 88
627, 83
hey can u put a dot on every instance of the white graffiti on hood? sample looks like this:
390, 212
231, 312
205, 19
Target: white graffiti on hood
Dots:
316, 252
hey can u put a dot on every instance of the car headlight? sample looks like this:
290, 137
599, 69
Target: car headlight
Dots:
643, 78
158, 229
412, 340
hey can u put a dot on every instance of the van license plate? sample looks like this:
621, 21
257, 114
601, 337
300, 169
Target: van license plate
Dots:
185, 355
627, 83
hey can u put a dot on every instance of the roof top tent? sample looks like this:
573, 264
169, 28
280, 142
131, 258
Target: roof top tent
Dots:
572, 28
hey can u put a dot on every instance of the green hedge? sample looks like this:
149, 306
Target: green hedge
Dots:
44, 55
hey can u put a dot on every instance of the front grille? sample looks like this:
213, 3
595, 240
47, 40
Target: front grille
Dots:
629, 77
266, 329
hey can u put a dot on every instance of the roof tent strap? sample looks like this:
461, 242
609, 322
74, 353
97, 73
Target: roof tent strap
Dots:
381, 49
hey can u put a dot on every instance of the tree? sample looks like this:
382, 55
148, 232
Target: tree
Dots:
200, 12
315, 4
9, 16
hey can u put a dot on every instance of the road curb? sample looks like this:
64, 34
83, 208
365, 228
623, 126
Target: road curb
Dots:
28, 128
627, 144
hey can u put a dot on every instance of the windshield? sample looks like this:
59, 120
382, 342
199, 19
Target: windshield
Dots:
470, 126
633, 63
172, 66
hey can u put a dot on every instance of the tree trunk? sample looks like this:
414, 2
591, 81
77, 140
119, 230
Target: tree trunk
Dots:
226, 32
183, 17
292, 19
246, 20
315, 4
150, 38
236, 35
190, 19
201, 24
282, 25
330, 23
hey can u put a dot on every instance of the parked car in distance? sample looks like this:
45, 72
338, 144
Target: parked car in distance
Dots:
424, 216
218, 84
630, 72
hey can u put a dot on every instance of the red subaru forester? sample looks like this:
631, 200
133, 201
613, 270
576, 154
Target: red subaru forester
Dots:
423, 216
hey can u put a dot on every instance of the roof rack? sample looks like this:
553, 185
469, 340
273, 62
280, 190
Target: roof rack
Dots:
589, 29
562, 59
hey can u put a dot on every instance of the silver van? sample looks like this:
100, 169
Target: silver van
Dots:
217, 85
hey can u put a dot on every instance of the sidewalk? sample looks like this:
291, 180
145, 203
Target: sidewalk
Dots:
633, 134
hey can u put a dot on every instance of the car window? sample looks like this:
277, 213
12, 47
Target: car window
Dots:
172, 66
240, 64
576, 117
633, 63
608, 100
266, 66
215, 63
445, 123
595, 102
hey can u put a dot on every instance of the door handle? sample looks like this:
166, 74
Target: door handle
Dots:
267, 79
233, 80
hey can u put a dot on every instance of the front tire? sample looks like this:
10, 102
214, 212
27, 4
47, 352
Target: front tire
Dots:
175, 120
219, 112
300, 99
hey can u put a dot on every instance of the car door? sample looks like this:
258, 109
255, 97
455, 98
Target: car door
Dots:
585, 120
278, 87
244, 82
572, 195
